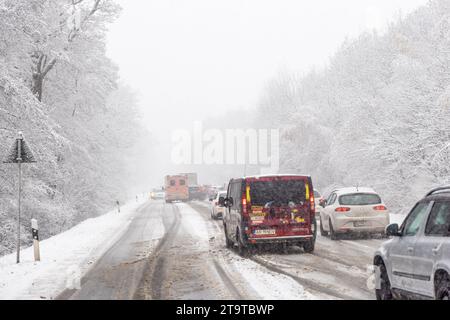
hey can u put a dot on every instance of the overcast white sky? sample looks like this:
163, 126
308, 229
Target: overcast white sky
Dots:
192, 58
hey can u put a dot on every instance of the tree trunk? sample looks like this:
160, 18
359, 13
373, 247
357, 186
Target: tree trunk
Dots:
40, 69
36, 86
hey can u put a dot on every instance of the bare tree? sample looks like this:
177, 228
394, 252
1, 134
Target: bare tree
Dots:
42, 64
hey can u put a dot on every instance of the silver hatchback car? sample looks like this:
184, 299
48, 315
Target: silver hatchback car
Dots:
415, 263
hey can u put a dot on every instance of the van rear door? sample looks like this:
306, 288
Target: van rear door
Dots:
279, 206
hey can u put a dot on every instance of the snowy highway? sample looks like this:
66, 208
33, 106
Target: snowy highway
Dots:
224, 151
176, 251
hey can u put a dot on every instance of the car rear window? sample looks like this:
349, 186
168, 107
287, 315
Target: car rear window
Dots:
359, 199
278, 192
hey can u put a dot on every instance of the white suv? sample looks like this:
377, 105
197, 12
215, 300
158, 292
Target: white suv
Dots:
353, 210
415, 263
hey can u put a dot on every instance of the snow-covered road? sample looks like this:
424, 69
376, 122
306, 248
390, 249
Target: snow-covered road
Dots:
176, 251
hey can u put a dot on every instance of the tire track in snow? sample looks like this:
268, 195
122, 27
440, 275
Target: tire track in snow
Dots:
223, 274
311, 285
227, 281
153, 289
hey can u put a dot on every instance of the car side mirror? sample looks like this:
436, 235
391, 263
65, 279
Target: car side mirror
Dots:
393, 230
227, 203
323, 203
222, 201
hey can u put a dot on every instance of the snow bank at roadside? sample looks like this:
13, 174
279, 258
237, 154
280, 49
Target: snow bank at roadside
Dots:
63, 256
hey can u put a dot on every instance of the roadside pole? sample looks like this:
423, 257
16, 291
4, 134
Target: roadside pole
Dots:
20, 153
35, 232
20, 210
19, 162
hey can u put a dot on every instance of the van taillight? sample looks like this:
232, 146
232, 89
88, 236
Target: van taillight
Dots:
313, 203
244, 206
342, 209
246, 199
380, 208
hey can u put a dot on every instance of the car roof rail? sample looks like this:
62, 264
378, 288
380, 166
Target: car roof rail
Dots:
445, 188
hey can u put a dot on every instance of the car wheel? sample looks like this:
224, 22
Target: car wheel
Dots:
282, 248
242, 249
309, 246
385, 293
333, 234
314, 228
228, 243
443, 292
323, 233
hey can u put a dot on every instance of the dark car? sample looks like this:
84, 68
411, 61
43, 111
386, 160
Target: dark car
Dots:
269, 210
197, 193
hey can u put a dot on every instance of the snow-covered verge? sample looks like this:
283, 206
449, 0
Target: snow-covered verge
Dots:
64, 256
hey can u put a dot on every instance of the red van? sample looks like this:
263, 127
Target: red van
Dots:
270, 209
176, 188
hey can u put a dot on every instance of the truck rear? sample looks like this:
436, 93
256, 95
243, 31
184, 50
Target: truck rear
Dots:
176, 188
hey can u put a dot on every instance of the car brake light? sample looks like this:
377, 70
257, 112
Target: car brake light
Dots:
380, 208
342, 209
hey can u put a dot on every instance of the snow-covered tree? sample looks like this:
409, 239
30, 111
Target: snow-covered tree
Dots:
377, 115
60, 89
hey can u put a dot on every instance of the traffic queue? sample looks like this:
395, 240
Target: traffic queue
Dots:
279, 211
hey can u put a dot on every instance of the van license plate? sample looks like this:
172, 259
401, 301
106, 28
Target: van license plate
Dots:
361, 224
265, 232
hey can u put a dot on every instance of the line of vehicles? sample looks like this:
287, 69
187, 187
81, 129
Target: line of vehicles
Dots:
286, 209
283, 209
183, 187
